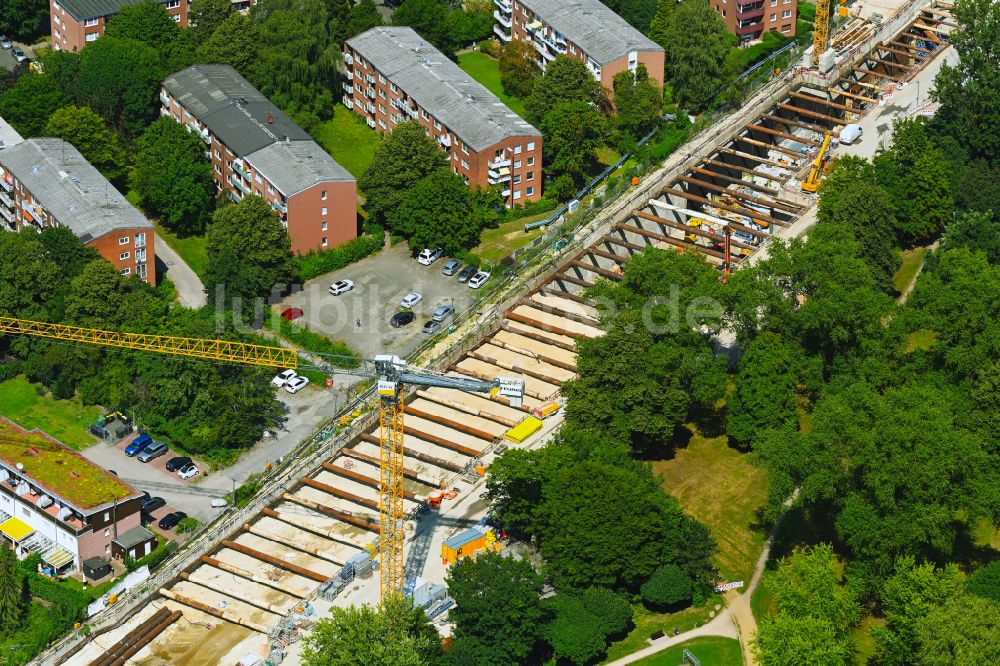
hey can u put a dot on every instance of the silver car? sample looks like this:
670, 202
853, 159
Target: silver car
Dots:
154, 450
443, 312
5, 42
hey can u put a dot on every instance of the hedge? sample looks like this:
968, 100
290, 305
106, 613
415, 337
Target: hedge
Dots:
314, 264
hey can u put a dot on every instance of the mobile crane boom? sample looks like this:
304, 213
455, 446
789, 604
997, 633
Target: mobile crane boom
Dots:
811, 183
392, 372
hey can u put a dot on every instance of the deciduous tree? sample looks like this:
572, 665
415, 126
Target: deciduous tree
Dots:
438, 212
573, 132
985, 582
638, 103
90, 135
148, 22
766, 384
24, 19
172, 176
28, 105
249, 252
234, 42
696, 48
28, 276
429, 19
979, 232
574, 633
395, 634
401, 160
667, 587
787, 640
124, 96
565, 80
498, 613
518, 71
965, 631
364, 16
205, 16
12, 607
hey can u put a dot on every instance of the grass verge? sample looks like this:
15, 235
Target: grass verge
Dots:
710, 651
348, 139
912, 261
495, 244
310, 341
718, 486
191, 249
66, 420
486, 71
648, 622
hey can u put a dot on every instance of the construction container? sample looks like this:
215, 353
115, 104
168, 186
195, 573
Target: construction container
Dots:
468, 543
524, 429
435, 497
545, 410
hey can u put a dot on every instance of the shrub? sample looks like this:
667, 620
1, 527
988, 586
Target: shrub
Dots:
489, 47
246, 492
667, 587
314, 342
469, 258
317, 263
154, 559
188, 526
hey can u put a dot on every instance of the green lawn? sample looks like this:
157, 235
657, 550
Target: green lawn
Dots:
710, 651
348, 139
921, 340
649, 622
718, 486
495, 244
191, 249
66, 420
912, 261
486, 70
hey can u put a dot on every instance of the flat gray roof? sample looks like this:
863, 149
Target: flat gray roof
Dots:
89, 9
70, 188
253, 127
134, 537
8, 135
589, 24
437, 84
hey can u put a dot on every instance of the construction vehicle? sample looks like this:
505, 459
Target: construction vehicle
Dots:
811, 183
821, 31
392, 373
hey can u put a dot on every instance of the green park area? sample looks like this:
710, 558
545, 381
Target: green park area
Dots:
348, 139
66, 420
192, 249
710, 651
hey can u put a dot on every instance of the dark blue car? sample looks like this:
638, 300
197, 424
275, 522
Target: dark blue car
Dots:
137, 445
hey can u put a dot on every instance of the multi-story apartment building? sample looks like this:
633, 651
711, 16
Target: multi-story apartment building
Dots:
256, 149
76, 22
394, 75
750, 19
55, 502
8, 135
582, 29
48, 183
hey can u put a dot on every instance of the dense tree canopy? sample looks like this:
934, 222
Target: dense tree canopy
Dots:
148, 22
696, 48
29, 104
364, 16
204, 16
124, 96
573, 132
438, 212
172, 176
249, 253
518, 71
638, 102
24, 19
234, 42
565, 80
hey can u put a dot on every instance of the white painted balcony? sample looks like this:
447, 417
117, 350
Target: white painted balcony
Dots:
499, 32
6, 185
7, 214
502, 19
348, 88
504, 5
6, 200
349, 102
348, 59
499, 163
238, 184
445, 140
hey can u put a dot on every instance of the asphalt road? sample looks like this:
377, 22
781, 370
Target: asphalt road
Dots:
380, 281
7, 60
190, 290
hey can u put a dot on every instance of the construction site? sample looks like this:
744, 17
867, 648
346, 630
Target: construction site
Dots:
255, 591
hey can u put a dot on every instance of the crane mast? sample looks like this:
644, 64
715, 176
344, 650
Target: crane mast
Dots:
821, 31
393, 375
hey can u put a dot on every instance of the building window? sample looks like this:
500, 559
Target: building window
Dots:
531, 161
257, 178
107, 532
323, 227
517, 164
530, 191
465, 165
217, 154
173, 4
107, 550
774, 17
323, 211
123, 241
437, 125
465, 148
723, 13
270, 190
572, 49
176, 18
381, 123
498, 154
531, 175
218, 170
91, 37
517, 149
90, 23
786, 28
423, 114
381, 79
394, 87
126, 271
774, 3
786, 14
140, 240
517, 194
531, 146
324, 241
517, 180
381, 109
381, 93
124, 255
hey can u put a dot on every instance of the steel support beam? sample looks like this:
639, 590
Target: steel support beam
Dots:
767, 202
276, 561
745, 212
782, 135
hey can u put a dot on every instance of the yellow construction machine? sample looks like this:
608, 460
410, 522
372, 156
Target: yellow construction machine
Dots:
811, 183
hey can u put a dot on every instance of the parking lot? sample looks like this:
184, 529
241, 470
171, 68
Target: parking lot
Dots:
7, 60
380, 282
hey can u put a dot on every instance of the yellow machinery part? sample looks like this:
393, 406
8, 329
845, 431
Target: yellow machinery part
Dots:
212, 350
390, 496
821, 31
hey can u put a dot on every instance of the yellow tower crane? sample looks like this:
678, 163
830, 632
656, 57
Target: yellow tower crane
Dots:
392, 374
821, 30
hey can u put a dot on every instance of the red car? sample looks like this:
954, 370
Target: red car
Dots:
291, 314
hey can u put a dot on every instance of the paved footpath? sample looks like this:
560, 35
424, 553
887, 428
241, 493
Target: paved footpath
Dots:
190, 290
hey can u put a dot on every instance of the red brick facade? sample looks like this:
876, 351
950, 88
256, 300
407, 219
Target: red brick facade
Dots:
70, 33
750, 19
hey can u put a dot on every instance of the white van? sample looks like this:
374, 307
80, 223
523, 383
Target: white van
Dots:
850, 134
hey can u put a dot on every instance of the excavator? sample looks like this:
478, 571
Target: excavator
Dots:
811, 183
393, 375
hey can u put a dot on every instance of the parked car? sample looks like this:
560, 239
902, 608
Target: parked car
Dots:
154, 450
111, 471
291, 314
442, 312
451, 267
283, 378
177, 462
341, 287
188, 471
479, 279
410, 300
152, 504
170, 521
137, 445
466, 273
401, 319
432, 327
143, 496
18, 54
5, 42
297, 384
428, 256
